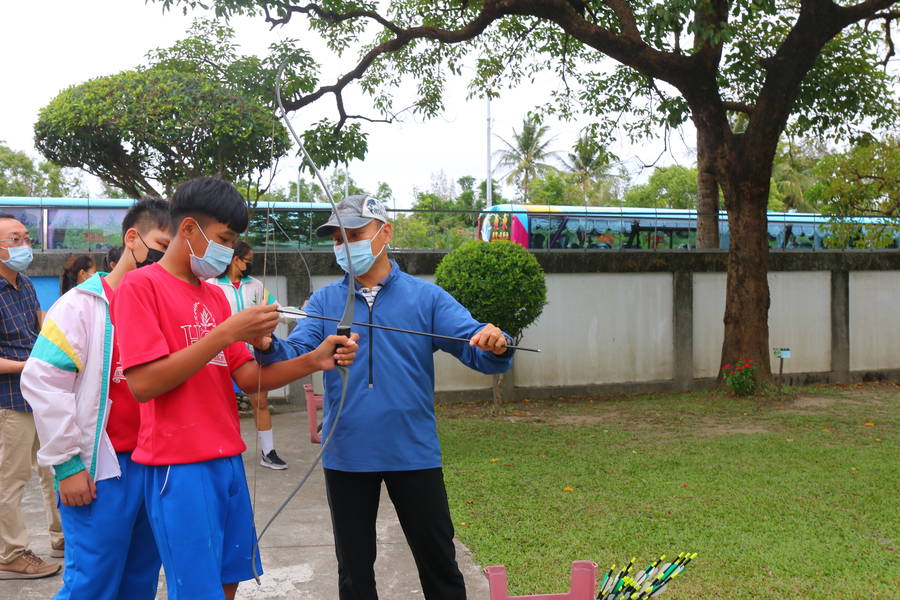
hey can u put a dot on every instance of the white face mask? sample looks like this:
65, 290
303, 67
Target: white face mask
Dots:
19, 258
360, 254
214, 261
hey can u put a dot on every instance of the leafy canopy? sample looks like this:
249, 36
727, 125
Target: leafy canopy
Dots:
22, 176
865, 180
844, 92
198, 108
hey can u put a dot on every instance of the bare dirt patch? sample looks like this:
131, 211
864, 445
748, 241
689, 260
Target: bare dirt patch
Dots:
812, 402
709, 427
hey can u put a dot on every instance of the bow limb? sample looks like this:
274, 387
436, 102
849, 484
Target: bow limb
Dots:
344, 326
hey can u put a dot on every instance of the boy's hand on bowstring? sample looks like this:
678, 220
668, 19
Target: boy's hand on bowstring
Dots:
78, 489
335, 350
252, 324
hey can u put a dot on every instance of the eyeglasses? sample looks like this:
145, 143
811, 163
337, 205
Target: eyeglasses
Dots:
19, 241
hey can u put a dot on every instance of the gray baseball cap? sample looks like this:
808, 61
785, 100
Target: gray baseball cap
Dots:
355, 211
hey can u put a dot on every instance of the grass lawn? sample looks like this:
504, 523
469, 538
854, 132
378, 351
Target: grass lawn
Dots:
792, 497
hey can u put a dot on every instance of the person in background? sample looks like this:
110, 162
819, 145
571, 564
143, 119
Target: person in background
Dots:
88, 420
112, 257
76, 270
243, 291
19, 325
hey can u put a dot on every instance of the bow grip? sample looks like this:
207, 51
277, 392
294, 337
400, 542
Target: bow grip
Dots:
342, 330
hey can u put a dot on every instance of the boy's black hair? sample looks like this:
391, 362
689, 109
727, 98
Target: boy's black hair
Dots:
210, 197
8, 216
147, 214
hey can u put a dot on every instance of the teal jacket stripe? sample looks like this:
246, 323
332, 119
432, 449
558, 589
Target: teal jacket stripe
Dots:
51, 354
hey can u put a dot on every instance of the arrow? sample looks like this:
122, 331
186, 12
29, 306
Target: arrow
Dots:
300, 314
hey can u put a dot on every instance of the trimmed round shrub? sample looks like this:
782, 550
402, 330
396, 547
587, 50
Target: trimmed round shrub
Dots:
499, 282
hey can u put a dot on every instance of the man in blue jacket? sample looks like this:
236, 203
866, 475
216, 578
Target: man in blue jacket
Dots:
387, 430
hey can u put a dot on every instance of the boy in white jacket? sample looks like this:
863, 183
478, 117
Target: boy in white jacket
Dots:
87, 421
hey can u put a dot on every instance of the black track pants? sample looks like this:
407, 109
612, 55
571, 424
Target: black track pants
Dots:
421, 503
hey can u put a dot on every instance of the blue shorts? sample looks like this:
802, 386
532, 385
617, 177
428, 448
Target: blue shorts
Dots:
203, 523
110, 551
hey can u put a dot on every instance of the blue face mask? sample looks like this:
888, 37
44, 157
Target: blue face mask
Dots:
360, 254
19, 258
213, 262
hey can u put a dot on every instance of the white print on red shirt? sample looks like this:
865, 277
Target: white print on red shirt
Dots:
118, 374
203, 324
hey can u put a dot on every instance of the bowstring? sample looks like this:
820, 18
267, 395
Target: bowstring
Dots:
344, 326
259, 367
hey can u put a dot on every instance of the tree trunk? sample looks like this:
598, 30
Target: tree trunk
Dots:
498, 393
747, 286
707, 195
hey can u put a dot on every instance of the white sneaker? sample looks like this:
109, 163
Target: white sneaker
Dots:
273, 461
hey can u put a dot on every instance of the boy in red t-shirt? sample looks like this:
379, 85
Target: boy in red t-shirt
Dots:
181, 348
87, 421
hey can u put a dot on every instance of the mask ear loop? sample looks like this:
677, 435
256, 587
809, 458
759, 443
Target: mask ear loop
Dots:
208, 242
136, 262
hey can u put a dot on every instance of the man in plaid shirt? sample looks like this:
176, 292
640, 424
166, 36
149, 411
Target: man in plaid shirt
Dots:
19, 326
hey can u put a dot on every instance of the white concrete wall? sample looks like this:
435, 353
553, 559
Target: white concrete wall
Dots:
596, 328
608, 328
874, 320
799, 319
600, 328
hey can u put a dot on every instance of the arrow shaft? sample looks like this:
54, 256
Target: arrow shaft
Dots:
396, 329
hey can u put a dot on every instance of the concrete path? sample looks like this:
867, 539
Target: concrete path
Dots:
298, 551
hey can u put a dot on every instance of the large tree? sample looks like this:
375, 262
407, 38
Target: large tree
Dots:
813, 63
197, 108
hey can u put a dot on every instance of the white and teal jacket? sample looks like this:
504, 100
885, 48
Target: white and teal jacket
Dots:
251, 292
66, 382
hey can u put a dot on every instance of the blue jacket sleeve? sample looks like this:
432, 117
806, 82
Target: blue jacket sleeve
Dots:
453, 319
305, 337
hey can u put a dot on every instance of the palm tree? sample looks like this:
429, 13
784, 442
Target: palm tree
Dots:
526, 155
792, 173
591, 164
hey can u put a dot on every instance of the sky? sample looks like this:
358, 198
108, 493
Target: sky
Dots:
53, 44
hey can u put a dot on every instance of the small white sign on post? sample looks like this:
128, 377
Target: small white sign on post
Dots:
782, 352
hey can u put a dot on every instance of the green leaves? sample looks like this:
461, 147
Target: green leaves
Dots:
328, 146
499, 282
158, 125
21, 176
863, 181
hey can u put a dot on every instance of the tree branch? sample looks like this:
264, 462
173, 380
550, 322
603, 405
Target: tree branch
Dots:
626, 18
738, 107
818, 23
633, 52
331, 16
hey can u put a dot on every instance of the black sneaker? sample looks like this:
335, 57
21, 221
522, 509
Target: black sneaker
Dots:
273, 461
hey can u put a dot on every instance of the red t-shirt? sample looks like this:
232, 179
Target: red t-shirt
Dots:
124, 413
157, 314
